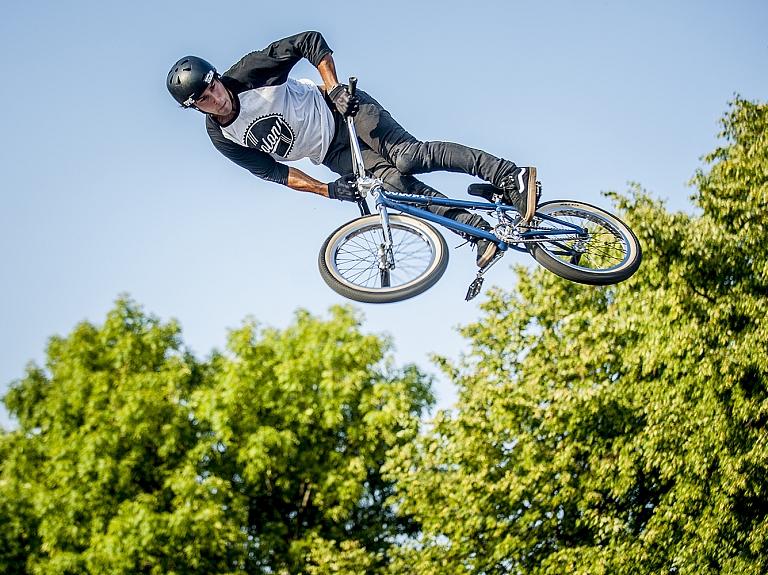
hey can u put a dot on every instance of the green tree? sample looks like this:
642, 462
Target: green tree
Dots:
619, 429
102, 434
302, 422
132, 456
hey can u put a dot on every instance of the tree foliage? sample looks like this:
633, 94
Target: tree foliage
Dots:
132, 456
619, 429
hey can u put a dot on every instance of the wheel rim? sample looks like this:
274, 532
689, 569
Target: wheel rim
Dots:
356, 257
605, 247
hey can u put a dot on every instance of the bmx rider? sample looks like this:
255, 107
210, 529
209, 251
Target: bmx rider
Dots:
259, 117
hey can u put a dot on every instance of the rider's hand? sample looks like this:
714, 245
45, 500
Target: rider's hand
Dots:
345, 103
344, 189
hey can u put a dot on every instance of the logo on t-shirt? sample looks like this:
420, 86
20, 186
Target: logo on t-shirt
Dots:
270, 134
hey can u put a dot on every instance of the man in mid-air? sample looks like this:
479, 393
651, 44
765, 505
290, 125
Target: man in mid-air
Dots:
258, 117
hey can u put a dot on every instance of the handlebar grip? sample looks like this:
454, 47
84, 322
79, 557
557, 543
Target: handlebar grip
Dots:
352, 85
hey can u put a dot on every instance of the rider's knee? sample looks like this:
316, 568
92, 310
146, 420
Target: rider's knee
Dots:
410, 160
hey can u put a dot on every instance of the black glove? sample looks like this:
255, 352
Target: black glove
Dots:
345, 103
344, 189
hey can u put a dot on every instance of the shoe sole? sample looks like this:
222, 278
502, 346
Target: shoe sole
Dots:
531, 202
487, 256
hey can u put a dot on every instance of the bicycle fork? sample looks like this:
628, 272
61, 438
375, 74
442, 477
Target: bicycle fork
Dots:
386, 255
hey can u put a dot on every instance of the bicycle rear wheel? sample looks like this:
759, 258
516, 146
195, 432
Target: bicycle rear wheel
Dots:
607, 253
350, 260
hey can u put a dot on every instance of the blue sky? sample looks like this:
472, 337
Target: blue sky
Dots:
108, 187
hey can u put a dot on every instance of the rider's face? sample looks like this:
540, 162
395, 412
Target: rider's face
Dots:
215, 100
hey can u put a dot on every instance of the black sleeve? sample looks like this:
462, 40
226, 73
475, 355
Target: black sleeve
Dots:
255, 161
270, 66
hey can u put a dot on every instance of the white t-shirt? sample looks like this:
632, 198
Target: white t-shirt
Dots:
289, 121
277, 118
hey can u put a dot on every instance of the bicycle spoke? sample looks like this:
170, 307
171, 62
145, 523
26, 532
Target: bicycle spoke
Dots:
358, 258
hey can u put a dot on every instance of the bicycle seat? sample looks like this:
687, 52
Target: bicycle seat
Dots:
486, 191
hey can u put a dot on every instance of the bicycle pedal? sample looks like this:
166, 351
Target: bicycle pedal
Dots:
474, 288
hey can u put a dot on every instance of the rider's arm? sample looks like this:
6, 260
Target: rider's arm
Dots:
298, 180
309, 45
346, 104
270, 66
327, 69
255, 161
263, 165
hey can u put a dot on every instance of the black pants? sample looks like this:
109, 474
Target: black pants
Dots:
393, 155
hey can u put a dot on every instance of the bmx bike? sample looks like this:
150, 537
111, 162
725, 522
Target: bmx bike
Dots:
389, 257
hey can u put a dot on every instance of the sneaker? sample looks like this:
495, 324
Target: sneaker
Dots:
520, 190
486, 249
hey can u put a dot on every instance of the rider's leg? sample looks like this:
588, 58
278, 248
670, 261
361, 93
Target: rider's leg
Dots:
381, 132
406, 183
378, 129
339, 159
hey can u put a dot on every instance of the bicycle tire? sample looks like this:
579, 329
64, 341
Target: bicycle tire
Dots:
611, 252
349, 259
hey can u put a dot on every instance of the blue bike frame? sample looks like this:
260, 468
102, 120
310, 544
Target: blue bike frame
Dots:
395, 201
404, 203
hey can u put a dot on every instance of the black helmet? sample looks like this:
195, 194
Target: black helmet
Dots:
189, 78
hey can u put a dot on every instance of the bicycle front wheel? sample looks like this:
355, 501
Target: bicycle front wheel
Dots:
354, 263
607, 253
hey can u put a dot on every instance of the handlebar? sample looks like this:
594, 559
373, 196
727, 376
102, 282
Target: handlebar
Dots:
357, 156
